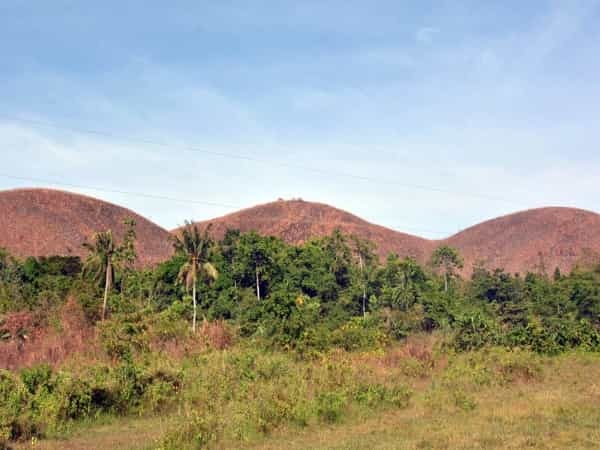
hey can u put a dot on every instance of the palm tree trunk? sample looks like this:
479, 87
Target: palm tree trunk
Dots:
257, 285
364, 301
195, 307
107, 283
364, 297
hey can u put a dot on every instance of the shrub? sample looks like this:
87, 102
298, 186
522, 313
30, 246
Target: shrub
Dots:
377, 395
475, 331
371, 394
124, 336
14, 400
159, 390
330, 406
199, 431
169, 324
129, 387
516, 365
37, 377
416, 368
463, 401
359, 334
399, 396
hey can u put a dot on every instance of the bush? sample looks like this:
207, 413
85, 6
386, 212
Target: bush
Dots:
169, 325
129, 387
359, 334
14, 400
199, 431
399, 396
371, 394
122, 337
37, 377
330, 406
475, 331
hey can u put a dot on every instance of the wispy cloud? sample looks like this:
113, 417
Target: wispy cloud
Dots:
426, 35
341, 87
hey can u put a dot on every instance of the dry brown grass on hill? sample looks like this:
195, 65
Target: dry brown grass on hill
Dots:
296, 221
528, 240
537, 239
43, 222
31, 342
36, 222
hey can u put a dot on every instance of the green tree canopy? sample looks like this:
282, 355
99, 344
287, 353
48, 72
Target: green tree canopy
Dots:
447, 259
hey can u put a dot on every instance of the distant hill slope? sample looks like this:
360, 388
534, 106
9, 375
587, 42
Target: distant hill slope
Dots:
38, 222
528, 240
296, 221
533, 239
46, 222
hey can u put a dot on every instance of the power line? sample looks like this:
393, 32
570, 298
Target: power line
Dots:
118, 191
270, 162
165, 198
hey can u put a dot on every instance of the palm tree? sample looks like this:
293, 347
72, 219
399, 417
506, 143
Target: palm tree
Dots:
364, 251
196, 247
105, 256
101, 261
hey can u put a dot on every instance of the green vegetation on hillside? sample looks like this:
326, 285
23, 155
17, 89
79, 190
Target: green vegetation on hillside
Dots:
272, 336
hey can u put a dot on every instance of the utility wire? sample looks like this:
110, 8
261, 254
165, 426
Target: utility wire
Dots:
41, 123
118, 191
172, 199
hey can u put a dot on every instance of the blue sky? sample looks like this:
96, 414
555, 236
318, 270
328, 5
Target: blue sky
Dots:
426, 117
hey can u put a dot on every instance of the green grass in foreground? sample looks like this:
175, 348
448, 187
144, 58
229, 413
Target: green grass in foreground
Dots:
483, 400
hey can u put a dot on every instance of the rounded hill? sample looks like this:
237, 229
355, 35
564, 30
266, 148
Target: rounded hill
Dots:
536, 240
296, 221
43, 222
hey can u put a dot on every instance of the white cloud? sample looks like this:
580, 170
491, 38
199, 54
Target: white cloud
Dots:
426, 35
465, 116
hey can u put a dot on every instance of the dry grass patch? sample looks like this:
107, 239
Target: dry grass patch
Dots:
554, 411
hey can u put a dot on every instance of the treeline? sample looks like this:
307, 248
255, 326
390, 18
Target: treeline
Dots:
331, 291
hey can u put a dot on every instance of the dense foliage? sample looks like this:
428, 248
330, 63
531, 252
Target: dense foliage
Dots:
328, 292
285, 305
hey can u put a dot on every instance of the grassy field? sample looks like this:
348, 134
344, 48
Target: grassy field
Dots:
484, 400
560, 412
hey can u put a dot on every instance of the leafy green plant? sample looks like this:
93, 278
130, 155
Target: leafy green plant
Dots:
330, 406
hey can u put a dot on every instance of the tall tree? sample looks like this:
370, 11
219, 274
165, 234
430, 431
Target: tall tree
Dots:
340, 256
364, 251
255, 261
105, 256
448, 259
196, 247
403, 281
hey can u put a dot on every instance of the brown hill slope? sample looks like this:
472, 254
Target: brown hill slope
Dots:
44, 222
535, 239
528, 240
296, 221
38, 222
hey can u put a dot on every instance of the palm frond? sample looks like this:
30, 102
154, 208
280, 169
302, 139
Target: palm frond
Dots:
210, 270
183, 271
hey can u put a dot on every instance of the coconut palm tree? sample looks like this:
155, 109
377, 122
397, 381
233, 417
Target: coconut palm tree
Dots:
105, 257
365, 254
196, 247
101, 262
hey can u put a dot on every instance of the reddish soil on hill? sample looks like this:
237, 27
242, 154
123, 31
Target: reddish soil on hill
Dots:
296, 221
535, 240
42, 222
530, 240
46, 222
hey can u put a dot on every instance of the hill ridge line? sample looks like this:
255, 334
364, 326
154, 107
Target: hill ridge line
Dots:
38, 221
